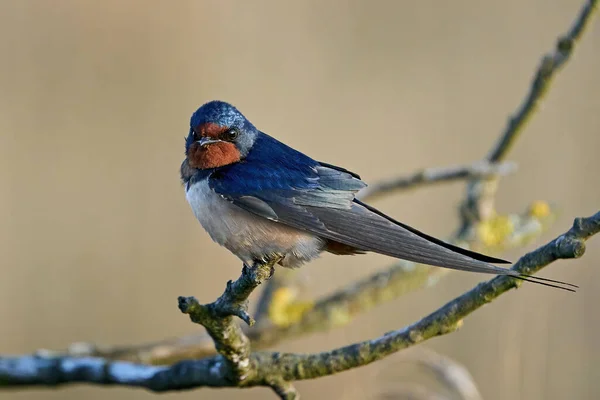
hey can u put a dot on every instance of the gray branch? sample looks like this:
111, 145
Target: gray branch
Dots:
427, 176
275, 369
230, 341
549, 66
479, 202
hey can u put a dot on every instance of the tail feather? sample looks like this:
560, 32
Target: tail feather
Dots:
544, 281
472, 254
405, 242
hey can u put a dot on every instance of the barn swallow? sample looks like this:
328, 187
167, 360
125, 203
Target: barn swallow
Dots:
263, 200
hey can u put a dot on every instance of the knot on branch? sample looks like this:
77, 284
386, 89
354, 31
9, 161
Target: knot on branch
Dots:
585, 227
451, 327
198, 313
564, 45
570, 247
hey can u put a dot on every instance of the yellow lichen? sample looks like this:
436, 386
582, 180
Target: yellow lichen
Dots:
494, 231
339, 316
540, 209
284, 309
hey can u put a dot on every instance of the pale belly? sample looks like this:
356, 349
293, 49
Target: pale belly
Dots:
249, 236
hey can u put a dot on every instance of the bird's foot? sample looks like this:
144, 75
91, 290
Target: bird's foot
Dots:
262, 264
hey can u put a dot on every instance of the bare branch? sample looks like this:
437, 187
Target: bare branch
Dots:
449, 317
479, 202
549, 66
480, 169
274, 369
217, 318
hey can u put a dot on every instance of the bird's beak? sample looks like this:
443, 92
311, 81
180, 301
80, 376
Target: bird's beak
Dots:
204, 141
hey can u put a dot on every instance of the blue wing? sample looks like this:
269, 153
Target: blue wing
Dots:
284, 185
279, 183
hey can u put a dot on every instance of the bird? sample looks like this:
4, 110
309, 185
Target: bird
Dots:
265, 201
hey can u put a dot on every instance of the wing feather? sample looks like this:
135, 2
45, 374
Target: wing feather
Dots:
319, 198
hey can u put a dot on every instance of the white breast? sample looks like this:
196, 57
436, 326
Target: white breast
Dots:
213, 212
246, 235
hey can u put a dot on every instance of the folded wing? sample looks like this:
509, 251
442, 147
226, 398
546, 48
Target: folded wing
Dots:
320, 198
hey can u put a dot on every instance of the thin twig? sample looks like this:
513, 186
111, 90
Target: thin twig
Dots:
230, 341
479, 202
549, 66
480, 169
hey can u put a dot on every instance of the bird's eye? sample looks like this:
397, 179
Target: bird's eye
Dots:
230, 134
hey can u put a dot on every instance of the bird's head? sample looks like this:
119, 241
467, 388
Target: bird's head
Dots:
219, 135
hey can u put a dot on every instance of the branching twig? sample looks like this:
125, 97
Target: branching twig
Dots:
479, 203
230, 341
449, 317
549, 66
278, 369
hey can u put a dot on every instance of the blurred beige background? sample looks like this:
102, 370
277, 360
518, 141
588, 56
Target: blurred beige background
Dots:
96, 238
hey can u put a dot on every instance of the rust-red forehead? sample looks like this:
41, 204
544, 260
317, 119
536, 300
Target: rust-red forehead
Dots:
210, 129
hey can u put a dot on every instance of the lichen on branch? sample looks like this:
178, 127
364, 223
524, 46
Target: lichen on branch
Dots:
278, 370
